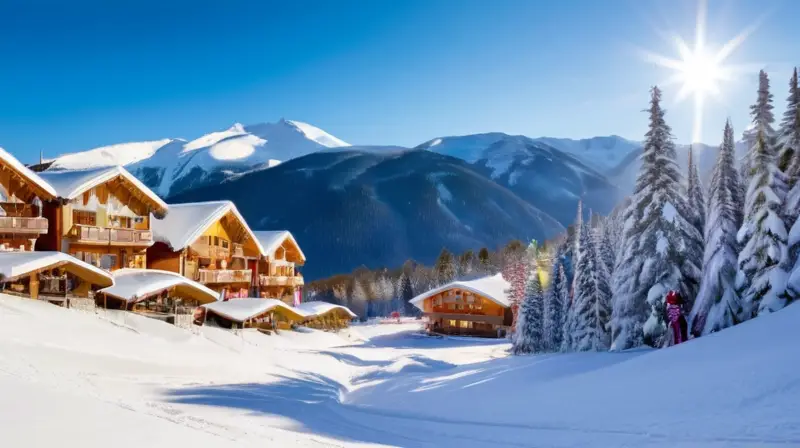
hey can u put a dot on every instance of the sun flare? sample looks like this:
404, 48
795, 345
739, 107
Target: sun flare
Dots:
699, 70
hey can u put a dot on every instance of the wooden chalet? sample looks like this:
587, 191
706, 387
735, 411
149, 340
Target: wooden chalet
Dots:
211, 243
278, 274
158, 294
52, 276
471, 308
22, 193
326, 316
102, 216
264, 314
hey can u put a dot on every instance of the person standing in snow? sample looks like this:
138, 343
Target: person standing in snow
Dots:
675, 317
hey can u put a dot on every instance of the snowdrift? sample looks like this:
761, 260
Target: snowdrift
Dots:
739, 386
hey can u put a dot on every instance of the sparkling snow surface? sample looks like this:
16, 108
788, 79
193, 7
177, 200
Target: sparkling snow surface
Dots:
123, 380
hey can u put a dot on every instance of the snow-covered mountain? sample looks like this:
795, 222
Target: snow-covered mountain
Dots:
546, 177
171, 166
601, 153
381, 206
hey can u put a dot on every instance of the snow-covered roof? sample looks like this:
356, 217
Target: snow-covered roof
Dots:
317, 308
16, 264
493, 287
187, 222
12, 162
239, 310
272, 239
135, 284
71, 184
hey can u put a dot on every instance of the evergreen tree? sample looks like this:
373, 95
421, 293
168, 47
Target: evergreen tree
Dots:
406, 294
528, 337
762, 264
555, 306
788, 144
591, 298
605, 247
762, 121
658, 235
484, 262
466, 264
445, 268
718, 303
695, 198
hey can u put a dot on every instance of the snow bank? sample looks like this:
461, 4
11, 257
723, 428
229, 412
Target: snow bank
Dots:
737, 387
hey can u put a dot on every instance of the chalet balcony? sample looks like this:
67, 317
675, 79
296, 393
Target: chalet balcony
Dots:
105, 235
13, 224
211, 276
268, 280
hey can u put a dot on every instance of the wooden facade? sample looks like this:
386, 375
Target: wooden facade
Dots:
458, 311
107, 224
224, 257
21, 214
278, 273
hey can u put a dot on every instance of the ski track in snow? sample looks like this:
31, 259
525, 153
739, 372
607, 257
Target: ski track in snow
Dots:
371, 385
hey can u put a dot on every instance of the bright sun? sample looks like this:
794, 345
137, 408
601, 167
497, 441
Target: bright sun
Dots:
698, 70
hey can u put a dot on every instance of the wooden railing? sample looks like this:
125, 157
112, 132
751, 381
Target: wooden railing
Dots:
9, 224
110, 235
270, 280
224, 275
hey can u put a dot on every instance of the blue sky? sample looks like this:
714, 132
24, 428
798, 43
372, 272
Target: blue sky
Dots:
81, 74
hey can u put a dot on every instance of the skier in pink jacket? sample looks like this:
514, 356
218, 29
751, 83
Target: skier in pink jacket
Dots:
675, 317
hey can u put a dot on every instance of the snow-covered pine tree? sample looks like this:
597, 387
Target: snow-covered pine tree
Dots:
591, 297
792, 205
717, 304
658, 235
762, 263
694, 195
788, 145
556, 303
762, 121
528, 337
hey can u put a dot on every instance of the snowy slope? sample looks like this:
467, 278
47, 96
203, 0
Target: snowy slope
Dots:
173, 165
120, 154
122, 378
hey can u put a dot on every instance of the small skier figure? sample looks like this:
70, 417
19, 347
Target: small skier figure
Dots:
675, 317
